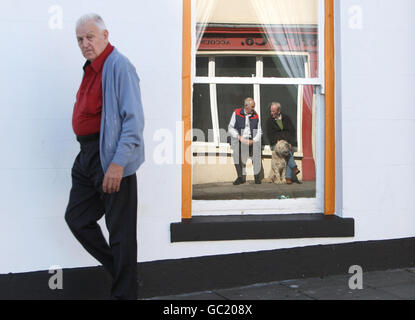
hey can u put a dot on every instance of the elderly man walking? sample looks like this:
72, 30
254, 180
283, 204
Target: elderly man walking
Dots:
108, 122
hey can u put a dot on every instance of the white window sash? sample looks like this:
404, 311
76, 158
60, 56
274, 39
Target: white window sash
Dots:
213, 101
321, 47
258, 80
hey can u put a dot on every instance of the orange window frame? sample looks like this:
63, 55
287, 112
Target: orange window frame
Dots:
329, 133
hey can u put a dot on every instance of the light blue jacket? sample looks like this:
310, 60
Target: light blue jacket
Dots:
122, 122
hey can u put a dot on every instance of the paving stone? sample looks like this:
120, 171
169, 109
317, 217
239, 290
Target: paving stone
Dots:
380, 279
270, 291
377, 285
205, 295
367, 294
316, 282
336, 288
342, 292
403, 291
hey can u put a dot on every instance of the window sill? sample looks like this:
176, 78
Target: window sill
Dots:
248, 227
225, 150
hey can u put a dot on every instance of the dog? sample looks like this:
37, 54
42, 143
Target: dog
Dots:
278, 163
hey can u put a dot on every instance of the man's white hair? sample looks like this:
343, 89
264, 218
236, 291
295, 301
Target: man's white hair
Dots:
91, 17
277, 104
248, 101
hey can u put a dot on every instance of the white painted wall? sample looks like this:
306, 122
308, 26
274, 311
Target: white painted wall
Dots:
41, 71
378, 116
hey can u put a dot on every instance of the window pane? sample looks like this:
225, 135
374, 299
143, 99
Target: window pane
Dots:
202, 64
287, 96
235, 66
285, 34
282, 27
229, 98
202, 118
284, 66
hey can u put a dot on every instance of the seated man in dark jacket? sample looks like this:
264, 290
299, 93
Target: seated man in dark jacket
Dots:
279, 127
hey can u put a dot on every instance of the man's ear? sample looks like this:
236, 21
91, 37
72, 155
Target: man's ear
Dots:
106, 34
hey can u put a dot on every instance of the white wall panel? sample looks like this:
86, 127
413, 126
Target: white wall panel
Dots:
40, 72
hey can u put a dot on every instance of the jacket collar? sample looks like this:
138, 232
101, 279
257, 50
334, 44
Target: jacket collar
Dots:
98, 63
244, 114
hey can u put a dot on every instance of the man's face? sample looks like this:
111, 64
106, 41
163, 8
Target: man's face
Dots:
91, 40
275, 111
250, 107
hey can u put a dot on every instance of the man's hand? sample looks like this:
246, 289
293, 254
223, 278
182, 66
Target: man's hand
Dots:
112, 178
245, 141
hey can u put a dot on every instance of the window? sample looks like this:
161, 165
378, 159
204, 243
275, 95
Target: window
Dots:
227, 96
268, 61
202, 118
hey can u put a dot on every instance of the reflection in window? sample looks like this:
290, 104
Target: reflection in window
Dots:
202, 64
235, 66
284, 66
230, 97
286, 95
244, 48
202, 118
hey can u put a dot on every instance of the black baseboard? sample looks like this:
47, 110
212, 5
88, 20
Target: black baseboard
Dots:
275, 226
159, 278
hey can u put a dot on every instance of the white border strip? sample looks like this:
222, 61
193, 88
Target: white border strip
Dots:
241, 207
321, 40
256, 80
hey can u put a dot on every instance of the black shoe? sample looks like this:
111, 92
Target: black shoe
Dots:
295, 179
239, 180
257, 180
295, 171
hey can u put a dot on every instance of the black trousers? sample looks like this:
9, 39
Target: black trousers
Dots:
88, 203
240, 156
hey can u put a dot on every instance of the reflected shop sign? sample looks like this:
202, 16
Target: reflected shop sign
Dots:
294, 39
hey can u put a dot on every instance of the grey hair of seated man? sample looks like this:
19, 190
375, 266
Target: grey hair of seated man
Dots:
277, 104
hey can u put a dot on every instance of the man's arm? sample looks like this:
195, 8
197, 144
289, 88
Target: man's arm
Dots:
131, 113
258, 133
132, 126
289, 127
231, 127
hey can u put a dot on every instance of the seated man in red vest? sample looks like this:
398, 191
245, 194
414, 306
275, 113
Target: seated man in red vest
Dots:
245, 131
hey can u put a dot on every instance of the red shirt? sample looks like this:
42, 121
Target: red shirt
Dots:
86, 118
